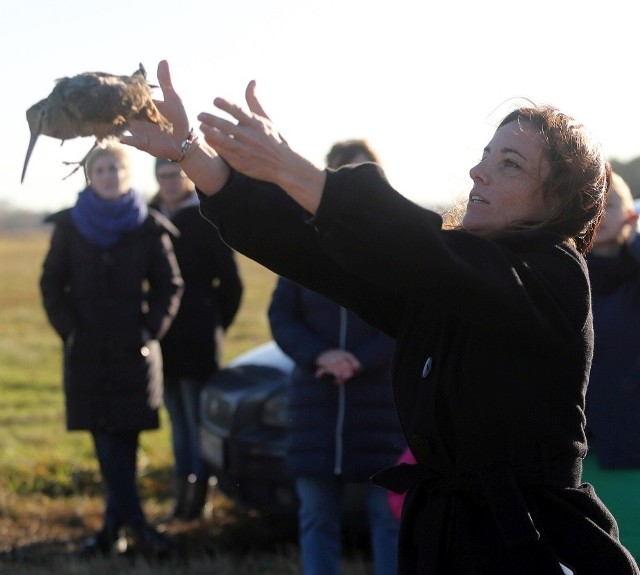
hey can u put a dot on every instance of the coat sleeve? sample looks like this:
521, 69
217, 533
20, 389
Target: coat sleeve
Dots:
260, 221
54, 284
165, 286
374, 251
229, 288
288, 328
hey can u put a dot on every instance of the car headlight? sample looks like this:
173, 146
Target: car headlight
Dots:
275, 412
218, 411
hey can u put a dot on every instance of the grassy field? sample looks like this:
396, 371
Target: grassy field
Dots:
50, 490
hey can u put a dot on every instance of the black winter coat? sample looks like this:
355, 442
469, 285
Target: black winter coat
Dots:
109, 306
350, 430
494, 344
211, 299
613, 395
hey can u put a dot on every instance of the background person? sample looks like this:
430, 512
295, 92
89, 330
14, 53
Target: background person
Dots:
103, 251
191, 348
343, 425
613, 395
492, 321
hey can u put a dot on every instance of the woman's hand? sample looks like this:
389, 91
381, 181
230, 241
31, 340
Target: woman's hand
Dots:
251, 146
201, 163
149, 137
254, 147
342, 365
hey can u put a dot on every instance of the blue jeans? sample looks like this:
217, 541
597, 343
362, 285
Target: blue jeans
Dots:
182, 400
117, 454
320, 527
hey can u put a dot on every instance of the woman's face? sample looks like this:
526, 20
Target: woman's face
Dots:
108, 177
507, 182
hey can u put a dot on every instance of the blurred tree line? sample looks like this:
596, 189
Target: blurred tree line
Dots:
19, 219
630, 172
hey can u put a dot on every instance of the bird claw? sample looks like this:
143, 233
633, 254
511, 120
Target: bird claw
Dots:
81, 163
78, 166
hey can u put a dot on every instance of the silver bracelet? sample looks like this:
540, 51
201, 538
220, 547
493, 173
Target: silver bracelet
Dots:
186, 144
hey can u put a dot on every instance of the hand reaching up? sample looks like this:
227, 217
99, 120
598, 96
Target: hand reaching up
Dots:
147, 137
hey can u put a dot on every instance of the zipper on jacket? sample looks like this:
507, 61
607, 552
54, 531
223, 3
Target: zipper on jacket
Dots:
337, 469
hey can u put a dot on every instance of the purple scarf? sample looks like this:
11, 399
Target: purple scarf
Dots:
103, 222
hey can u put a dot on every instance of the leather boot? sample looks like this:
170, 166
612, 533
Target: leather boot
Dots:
181, 489
152, 542
102, 543
196, 499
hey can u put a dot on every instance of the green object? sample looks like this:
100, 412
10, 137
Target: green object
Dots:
619, 489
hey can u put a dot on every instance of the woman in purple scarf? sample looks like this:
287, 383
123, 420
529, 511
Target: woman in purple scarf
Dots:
111, 287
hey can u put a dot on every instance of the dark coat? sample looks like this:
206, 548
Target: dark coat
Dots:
613, 395
349, 430
494, 344
211, 299
109, 306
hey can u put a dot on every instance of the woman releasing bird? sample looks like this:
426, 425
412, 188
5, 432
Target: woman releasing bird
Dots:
93, 104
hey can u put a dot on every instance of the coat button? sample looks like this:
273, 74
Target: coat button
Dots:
427, 367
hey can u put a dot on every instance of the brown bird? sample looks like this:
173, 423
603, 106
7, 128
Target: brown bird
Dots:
93, 104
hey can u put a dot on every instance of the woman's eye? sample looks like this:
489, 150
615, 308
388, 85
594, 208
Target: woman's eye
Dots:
511, 163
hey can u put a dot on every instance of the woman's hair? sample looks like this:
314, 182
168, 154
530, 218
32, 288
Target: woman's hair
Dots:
345, 152
116, 150
580, 175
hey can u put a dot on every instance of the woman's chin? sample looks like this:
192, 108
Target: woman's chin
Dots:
473, 224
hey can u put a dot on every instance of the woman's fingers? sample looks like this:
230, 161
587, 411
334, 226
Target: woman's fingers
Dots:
171, 106
164, 76
235, 111
245, 145
252, 100
255, 106
217, 123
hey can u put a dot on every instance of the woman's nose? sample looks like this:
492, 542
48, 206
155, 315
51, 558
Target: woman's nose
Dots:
477, 173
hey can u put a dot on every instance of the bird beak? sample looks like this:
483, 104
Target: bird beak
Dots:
32, 143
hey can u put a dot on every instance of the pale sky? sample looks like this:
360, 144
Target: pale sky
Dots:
425, 83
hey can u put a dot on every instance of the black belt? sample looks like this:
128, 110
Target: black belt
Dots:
498, 486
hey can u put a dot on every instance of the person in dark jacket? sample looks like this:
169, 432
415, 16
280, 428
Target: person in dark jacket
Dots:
613, 395
191, 348
492, 321
343, 425
111, 287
